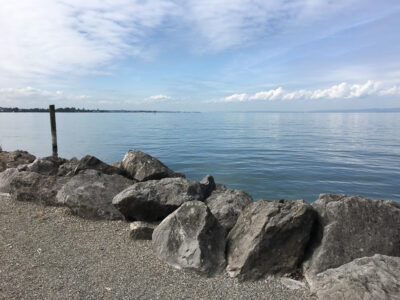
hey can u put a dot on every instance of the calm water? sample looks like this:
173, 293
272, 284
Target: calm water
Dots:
270, 155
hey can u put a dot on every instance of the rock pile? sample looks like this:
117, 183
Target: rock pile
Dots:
347, 247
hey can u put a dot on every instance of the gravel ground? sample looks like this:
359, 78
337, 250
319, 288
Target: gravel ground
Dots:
47, 253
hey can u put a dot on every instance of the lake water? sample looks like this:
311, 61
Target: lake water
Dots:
269, 155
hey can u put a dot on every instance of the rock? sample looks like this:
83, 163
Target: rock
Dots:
353, 227
367, 278
93, 163
153, 200
14, 159
226, 205
142, 230
142, 167
117, 164
269, 238
89, 194
34, 187
191, 239
68, 168
6, 178
207, 185
45, 165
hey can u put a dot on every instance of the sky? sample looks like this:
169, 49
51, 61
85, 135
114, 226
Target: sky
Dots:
210, 55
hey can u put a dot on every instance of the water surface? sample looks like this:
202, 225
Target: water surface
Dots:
269, 155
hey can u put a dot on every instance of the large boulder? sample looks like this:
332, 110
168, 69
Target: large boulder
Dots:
227, 204
367, 278
269, 238
68, 168
90, 162
142, 167
44, 165
89, 194
14, 159
6, 178
191, 239
34, 187
153, 200
351, 227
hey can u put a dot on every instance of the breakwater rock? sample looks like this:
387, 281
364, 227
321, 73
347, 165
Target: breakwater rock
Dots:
345, 246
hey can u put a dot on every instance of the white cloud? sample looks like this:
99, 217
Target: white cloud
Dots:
343, 90
158, 98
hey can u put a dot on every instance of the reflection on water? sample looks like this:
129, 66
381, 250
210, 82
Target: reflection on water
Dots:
270, 155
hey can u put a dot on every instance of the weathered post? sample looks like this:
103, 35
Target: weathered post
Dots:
53, 130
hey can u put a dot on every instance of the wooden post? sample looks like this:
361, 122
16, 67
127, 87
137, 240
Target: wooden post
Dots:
53, 130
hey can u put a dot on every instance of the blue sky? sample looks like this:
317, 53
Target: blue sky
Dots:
200, 55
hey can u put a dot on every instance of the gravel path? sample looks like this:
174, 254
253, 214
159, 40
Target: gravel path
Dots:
46, 253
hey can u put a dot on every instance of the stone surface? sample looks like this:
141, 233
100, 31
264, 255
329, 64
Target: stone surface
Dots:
140, 230
90, 162
153, 200
269, 238
89, 194
367, 278
191, 239
6, 178
14, 159
44, 165
353, 227
68, 168
227, 204
142, 167
117, 164
34, 187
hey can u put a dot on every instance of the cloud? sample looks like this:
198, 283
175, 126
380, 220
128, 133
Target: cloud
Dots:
343, 90
158, 98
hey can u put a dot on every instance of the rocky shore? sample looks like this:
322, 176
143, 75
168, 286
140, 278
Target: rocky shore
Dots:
340, 247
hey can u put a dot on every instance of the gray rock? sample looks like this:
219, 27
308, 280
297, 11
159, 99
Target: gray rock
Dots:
142, 167
227, 204
367, 278
117, 164
353, 227
93, 163
14, 159
34, 187
191, 239
269, 238
89, 194
153, 200
139, 230
6, 178
44, 165
68, 168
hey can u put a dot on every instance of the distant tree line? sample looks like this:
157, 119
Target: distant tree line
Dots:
61, 109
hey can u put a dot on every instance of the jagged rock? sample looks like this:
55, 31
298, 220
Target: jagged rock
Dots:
93, 163
191, 239
153, 200
34, 187
44, 165
142, 167
227, 204
269, 238
6, 178
353, 227
367, 278
207, 185
117, 164
142, 230
89, 194
68, 168
14, 159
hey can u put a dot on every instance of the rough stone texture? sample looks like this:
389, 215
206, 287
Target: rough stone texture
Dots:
227, 204
14, 159
117, 164
153, 200
192, 239
6, 178
34, 187
89, 194
269, 238
93, 163
68, 168
142, 167
142, 230
367, 278
44, 165
353, 227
